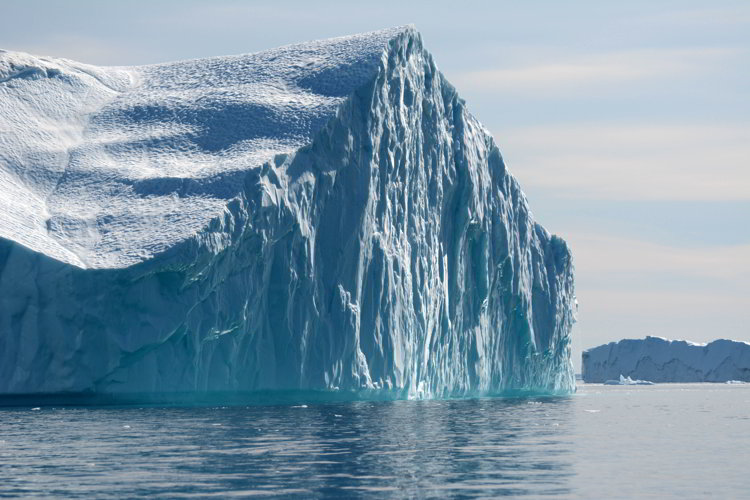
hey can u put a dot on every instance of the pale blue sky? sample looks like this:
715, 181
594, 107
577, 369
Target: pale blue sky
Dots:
627, 123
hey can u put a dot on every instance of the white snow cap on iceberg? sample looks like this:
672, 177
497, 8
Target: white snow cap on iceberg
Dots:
108, 166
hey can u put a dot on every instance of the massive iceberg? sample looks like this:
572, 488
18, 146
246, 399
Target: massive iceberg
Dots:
326, 216
660, 360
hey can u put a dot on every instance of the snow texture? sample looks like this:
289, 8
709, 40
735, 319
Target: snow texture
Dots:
660, 360
322, 216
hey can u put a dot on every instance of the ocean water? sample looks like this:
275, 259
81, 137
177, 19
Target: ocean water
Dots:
671, 440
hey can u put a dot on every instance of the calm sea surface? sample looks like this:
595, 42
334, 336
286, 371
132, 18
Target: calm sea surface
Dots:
672, 440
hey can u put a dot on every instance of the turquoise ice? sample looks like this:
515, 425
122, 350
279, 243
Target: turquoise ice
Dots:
326, 216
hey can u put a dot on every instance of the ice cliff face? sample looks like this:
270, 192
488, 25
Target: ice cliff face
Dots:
660, 360
323, 216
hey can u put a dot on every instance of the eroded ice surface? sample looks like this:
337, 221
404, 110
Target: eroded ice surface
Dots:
660, 360
322, 216
107, 167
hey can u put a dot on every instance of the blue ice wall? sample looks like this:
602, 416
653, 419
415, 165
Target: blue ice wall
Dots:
393, 256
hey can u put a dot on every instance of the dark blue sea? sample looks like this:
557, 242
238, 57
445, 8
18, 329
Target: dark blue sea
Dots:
663, 441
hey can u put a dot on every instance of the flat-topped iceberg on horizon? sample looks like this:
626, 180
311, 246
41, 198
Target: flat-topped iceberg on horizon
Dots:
324, 216
657, 359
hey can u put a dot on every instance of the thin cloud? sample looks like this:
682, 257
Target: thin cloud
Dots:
583, 73
622, 302
596, 254
691, 314
81, 48
623, 292
720, 17
598, 161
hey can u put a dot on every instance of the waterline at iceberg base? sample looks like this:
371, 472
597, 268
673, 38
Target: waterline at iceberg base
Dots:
324, 218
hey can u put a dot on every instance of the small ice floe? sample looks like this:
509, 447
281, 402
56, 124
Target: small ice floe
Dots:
627, 381
733, 382
216, 425
300, 406
36, 409
592, 411
126, 426
337, 415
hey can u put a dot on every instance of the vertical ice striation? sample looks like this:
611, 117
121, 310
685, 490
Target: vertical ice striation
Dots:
383, 251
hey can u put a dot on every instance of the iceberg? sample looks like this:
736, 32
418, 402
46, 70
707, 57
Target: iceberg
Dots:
326, 216
660, 360
627, 381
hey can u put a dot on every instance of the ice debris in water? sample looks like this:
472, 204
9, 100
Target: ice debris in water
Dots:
317, 216
627, 381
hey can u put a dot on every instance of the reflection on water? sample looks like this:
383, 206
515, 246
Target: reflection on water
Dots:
670, 440
486, 447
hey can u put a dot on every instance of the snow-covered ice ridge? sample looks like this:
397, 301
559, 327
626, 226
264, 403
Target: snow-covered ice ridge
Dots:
109, 167
321, 216
661, 360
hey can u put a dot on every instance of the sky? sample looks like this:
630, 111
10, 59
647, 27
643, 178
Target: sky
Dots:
626, 123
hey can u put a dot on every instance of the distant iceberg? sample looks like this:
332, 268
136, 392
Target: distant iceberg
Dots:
326, 216
659, 360
627, 381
